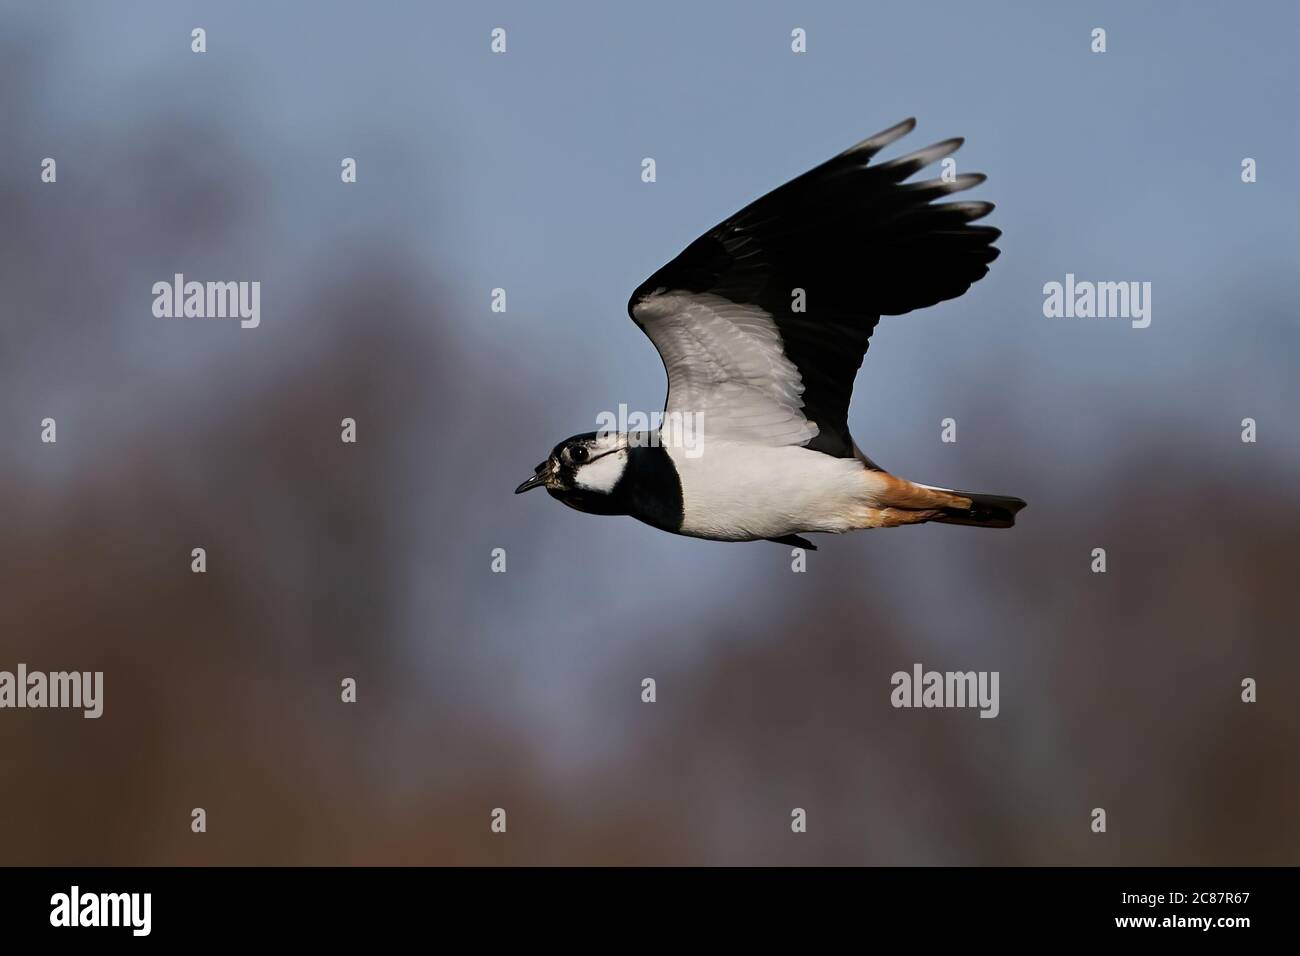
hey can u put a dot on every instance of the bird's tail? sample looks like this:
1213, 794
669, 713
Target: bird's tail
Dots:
898, 501
986, 511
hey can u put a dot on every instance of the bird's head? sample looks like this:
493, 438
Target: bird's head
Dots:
583, 472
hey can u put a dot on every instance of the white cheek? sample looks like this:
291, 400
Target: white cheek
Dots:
602, 474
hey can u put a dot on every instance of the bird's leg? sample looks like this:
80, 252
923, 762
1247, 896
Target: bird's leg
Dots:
894, 517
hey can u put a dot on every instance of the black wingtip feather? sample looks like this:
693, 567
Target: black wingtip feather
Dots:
878, 141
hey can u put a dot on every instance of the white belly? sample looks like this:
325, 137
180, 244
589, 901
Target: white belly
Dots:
739, 492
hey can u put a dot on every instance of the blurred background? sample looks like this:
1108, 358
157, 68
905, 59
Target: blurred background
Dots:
522, 690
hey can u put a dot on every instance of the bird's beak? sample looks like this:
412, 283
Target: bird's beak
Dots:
543, 472
531, 483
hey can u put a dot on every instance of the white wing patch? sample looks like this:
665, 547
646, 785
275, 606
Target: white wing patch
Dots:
726, 363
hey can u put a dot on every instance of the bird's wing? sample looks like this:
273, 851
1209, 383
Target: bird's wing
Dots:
763, 321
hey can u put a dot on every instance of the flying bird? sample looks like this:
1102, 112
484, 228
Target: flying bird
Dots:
762, 324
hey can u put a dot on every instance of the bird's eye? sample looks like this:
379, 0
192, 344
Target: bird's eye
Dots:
578, 454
